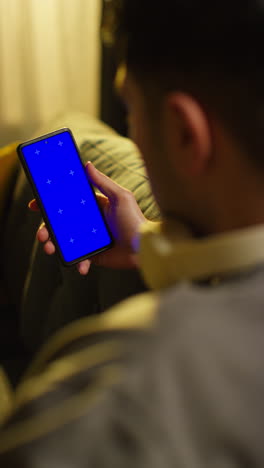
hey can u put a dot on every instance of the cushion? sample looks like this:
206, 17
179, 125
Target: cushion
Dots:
120, 159
82, 125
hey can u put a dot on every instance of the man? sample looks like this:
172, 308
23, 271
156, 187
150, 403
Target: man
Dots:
189, 390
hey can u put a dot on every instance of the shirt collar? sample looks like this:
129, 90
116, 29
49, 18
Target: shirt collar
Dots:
168, 255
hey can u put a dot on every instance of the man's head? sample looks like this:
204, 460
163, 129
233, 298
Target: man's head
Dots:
195, 94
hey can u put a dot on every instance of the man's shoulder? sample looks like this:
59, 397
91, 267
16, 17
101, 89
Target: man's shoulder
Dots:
219, 299
212, 330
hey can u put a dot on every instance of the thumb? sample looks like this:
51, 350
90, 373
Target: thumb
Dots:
107, 186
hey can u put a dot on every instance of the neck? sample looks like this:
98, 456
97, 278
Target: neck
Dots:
233, 210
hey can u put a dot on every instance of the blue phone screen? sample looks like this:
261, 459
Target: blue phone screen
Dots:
66, 195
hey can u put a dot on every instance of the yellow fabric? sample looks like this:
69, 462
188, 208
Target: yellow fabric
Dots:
137, 312
168, 254
6, 395
65, 368
45, 422
120, 159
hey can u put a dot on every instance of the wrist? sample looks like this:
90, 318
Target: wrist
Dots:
135, 240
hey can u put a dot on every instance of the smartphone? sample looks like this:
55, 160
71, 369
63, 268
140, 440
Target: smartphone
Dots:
65, 196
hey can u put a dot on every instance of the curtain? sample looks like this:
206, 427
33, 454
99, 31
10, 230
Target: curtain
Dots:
49, 61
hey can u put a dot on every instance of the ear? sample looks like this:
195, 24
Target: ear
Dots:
187, 133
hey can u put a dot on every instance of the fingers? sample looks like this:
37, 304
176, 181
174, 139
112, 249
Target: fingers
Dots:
33, 205
107, 186
49, 248
43, 234
109, 190
84, 267
103, 201
43, 237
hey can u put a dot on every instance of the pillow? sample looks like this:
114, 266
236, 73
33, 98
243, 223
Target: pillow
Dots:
119, 158
82, 125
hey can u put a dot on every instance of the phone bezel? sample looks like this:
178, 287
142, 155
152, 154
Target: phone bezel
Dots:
41, 206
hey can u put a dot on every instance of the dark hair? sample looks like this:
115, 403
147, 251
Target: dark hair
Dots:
212, 49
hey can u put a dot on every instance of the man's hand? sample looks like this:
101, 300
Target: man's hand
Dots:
123, 216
